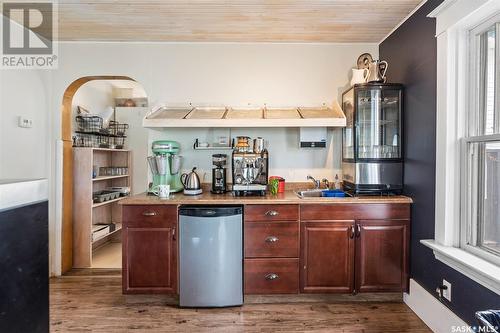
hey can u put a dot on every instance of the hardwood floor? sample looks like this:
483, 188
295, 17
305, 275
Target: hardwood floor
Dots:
94, 303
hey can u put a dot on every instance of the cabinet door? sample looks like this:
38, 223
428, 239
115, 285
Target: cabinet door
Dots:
382, 255
150, 263
327, 257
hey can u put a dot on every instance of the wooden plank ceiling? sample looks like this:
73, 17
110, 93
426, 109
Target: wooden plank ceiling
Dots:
231, 20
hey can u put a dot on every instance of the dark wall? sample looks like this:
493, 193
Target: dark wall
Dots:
411, 54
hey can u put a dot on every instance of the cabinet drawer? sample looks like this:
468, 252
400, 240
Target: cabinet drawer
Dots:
273, 239
319, 212
153, 216
271, 276
259, 213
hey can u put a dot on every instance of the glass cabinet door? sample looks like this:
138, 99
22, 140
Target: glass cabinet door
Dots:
348, 131
378, 124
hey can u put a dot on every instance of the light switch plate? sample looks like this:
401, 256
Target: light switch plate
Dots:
25, 122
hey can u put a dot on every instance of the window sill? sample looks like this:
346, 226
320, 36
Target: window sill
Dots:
475, 268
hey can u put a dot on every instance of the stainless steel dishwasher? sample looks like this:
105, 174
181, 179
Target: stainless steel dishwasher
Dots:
211, 256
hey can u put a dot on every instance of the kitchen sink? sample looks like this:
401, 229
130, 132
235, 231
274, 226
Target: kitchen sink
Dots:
311, 193
315, 193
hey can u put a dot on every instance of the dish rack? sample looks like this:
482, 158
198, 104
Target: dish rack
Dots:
91, 133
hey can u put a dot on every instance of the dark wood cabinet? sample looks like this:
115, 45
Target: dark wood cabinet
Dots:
271, 239
271, 248
382, 255
150, 250
314, 248
266, 213
354, 247
271, 276
327, 257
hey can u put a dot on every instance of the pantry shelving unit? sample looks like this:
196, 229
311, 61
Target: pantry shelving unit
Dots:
86, 213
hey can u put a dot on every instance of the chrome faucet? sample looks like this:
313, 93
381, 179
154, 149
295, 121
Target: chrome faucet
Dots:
326, 182
317, 183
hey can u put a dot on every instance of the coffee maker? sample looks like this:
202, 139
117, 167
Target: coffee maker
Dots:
219, 177
165, 165
250, 167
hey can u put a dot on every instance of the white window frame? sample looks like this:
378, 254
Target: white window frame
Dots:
472, 129
455, 19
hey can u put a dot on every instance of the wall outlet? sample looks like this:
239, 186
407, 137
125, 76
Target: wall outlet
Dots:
25, 122
447, 292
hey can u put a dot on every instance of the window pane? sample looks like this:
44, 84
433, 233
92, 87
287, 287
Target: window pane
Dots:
490, 118
488, 231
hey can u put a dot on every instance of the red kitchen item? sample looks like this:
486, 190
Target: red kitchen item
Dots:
281, 184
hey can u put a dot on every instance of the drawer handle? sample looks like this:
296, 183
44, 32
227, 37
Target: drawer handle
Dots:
272, 239
272, 276
272, 213
149, 214
358, 230
353, 233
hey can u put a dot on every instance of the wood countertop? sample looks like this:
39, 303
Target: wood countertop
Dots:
289, 197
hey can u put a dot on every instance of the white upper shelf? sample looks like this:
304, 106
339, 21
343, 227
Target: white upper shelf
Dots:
168, 117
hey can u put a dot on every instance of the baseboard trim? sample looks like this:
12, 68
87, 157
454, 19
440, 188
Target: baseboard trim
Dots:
434, 314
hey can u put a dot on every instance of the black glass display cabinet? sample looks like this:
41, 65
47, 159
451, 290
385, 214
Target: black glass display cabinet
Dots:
372, 160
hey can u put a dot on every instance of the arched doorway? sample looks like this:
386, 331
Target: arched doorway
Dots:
67, 176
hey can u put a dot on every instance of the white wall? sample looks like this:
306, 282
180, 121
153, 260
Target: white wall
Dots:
232, 74
137, 141
94, 96
24, 151
286, 159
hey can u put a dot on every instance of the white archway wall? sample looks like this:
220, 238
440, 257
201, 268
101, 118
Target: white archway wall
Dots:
96, 95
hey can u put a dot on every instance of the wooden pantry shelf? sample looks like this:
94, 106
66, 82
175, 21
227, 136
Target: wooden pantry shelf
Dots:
109, 149
99, 240
99, 204
108, 177
85, 212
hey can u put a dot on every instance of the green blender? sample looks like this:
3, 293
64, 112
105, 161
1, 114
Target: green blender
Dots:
165, 165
